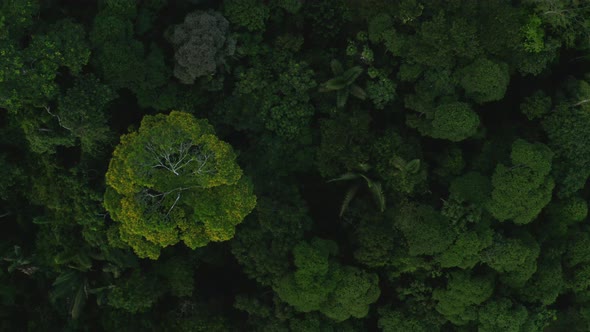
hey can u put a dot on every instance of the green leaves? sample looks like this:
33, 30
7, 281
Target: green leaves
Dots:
71, 287
343, 83
521, 191
175, 180
319, 284
374, 187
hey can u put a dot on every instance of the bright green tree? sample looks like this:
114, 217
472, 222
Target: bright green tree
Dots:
175, 180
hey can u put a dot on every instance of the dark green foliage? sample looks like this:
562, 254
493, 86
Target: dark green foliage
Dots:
343, 141
341, 165
319, 284
249, 14
462, 296
502, 315
454, 122
521, 191
82, 112
536, 105
566, 128
485, 80
425, 229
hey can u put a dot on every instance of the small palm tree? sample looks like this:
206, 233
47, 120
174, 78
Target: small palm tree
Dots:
359, 178
343, 83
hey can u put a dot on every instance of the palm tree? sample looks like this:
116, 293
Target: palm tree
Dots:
359, 178
343, 83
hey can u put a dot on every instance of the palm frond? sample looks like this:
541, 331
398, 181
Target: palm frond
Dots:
341, 98
364, 167
79, 302
413, 166
377, 191
337, 68
369, 181
348, 198
333, 84
358, 92
350, 75
345, 177
399, 163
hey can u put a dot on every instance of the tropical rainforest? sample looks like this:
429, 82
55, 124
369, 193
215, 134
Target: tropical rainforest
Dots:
295, 165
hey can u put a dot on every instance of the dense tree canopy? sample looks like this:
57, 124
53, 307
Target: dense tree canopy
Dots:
175, 180
294, 165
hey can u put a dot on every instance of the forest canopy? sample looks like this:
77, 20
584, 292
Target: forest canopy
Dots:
294, 165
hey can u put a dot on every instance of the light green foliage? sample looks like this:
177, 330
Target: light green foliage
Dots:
455, 122
249, 14
65, 45
337, 291
175, 180
521, 191
485, 80
502, 315
81, 111
536, 105
27, 77
567, 20
568, 128
514, 258
136, 293
458, 302
533, 35
201, 45
427, 232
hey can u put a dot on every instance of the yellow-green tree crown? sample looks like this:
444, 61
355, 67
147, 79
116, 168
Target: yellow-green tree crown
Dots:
174, 180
